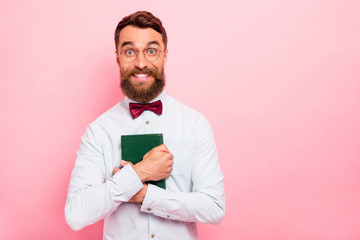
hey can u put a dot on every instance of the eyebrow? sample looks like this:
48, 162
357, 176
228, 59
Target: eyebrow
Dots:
127, 43
132, 43
153, 42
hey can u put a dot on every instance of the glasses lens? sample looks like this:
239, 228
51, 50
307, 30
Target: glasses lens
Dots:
128, 54
151, 54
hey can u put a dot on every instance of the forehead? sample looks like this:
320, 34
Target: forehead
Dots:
140, 37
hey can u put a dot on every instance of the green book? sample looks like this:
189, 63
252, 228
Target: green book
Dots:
134, 147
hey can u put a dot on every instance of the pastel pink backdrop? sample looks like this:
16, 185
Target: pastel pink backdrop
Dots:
278, 80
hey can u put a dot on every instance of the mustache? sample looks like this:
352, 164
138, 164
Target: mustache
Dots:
151, 71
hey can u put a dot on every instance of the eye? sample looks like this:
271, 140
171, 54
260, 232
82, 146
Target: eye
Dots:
129, 52
151, 51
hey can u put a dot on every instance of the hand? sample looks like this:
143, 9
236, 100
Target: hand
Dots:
157, 164
140, 195
123, 164
116, 170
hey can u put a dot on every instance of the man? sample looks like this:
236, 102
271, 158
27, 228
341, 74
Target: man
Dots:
132, 208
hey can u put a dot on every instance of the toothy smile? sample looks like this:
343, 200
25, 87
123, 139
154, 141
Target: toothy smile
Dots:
141, 77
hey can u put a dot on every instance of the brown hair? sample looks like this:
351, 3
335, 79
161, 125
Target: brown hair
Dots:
141, 19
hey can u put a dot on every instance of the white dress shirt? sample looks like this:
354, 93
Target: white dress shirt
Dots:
194, 191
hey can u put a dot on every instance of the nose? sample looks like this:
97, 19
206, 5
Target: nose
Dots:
141, 61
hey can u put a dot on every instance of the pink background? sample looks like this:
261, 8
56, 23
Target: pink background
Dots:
278, 80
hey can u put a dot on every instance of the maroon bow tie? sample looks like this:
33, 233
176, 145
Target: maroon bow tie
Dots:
136, 109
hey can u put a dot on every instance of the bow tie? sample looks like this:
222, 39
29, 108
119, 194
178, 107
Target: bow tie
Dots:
136, 109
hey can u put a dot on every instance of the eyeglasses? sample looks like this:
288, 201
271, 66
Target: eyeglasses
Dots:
130, 54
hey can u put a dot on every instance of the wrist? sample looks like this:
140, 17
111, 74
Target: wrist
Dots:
139, 171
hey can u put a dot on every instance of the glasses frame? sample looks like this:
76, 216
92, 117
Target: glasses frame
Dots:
137, 53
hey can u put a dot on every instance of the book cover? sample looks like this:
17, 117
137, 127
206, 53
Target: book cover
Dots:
134, 147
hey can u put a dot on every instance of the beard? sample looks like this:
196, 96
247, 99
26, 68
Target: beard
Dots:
142, 93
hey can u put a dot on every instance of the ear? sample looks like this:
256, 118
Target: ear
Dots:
165, 56
117, 59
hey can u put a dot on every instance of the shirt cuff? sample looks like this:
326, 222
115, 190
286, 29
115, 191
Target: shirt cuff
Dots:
127, 183
154, 201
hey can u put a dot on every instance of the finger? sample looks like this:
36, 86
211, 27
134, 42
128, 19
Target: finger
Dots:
115, 171
124, 163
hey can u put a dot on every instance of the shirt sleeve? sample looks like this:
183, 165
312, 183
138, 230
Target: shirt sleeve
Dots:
206, 202
90, 196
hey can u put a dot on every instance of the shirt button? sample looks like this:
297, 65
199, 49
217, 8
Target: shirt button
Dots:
168, 216
149, 209
152, 235
147, 122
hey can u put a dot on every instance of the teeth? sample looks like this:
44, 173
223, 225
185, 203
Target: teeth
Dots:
141, 75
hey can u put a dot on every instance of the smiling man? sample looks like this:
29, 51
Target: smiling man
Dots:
142, 76
102, 186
